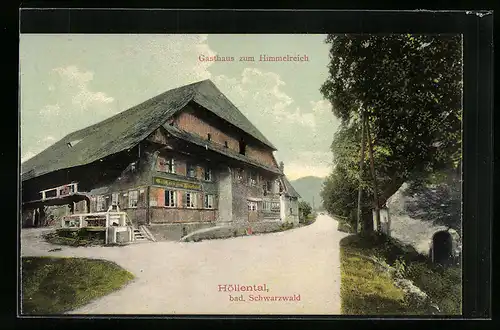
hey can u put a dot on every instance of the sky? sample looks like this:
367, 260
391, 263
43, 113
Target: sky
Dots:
69, 82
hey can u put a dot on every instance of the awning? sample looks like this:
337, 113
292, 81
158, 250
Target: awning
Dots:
76, 197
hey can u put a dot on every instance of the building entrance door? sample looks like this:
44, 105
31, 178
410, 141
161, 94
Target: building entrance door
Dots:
252, 211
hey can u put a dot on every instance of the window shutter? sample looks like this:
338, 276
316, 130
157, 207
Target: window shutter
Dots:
161, 197
180, 198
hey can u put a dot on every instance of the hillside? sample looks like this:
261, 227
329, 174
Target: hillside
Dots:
309, 188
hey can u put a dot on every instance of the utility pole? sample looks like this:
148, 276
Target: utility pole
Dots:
374, 177
361, 161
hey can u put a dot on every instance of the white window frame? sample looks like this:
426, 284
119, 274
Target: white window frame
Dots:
172, 198
169, 164
209, 201
73, 187
188, 167
100, 203
252, 206
131, 199
192, 199
114, 199
275, 207
252, 179
208, 171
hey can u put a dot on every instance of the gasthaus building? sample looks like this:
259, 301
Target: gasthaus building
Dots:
184, 160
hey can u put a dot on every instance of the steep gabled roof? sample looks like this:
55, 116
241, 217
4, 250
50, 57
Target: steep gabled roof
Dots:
289, 189
126, 129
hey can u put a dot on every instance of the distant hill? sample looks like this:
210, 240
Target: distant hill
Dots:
309, 188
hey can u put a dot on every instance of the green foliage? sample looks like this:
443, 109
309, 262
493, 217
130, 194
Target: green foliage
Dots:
57, 285
410, 87
442, 284
346, 227
305, 208
286, 226
364, 289
79, 237
400, 266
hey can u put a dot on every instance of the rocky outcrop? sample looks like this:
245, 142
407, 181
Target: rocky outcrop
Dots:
410, 222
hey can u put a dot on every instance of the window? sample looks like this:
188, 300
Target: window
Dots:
133, 198
166, 165
243, 146
280, 186
170, 198
191, 171
101, 203
66, 190
190, 200
226, 145
209, 137
252, 179
291, 211
252, 206
239, 174
114, 199
275, 207
208, 174
266, 206
209, 201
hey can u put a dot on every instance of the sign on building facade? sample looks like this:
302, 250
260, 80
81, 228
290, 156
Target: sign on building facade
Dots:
176, 184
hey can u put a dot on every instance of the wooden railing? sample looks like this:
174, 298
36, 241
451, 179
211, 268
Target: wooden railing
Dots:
98, 219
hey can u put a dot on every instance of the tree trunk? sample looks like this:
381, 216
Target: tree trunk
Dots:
361, 162
374, 176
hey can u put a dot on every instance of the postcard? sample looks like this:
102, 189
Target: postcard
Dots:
241, 174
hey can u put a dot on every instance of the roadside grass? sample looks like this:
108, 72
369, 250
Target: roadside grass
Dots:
57, 285
365, 290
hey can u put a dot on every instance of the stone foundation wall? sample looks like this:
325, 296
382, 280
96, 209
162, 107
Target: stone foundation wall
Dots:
175, 231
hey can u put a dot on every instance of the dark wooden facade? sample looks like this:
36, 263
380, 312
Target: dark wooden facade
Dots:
166, 179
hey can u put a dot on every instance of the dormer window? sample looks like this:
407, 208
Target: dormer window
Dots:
209, 137
225, 144
243, 147
72, 143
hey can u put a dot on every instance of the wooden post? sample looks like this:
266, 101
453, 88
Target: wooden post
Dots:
106, 228
374, 177
361, 161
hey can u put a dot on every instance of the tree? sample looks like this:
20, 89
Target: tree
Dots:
305, 208
409, 88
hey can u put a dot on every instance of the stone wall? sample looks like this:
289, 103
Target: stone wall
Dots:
175, 231
409, 230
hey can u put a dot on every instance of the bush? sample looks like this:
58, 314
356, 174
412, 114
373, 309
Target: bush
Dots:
79, 237
286, 226
346, 227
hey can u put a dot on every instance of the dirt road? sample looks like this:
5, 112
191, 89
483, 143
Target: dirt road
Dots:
189, 278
